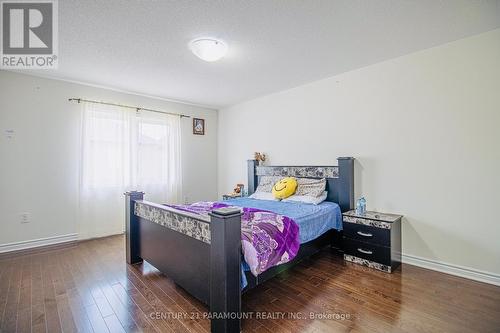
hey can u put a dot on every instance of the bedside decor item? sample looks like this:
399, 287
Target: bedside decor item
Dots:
239, 189
238, 192
198, 126
260, 158
372, 239
285, 188
361, 206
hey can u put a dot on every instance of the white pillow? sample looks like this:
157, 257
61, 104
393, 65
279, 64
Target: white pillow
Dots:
307, 198
266, 183
311, 187
263, 196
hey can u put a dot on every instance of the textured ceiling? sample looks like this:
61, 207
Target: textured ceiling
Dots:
141, 46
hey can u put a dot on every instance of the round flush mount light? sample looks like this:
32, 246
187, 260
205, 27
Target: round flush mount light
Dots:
208, 49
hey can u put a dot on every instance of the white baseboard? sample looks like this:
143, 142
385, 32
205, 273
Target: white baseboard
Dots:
100, 234
465, 272
34, 243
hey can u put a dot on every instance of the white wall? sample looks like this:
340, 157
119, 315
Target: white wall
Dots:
39, 166
424, 128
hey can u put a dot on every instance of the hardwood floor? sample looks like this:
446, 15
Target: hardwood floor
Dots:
88, 287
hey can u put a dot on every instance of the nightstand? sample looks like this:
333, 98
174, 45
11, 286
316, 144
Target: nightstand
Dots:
372, 239
231, 196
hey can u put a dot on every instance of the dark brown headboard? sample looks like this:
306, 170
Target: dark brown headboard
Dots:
339, 179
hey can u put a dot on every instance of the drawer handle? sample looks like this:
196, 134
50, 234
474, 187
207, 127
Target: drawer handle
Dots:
361, 233
365, 251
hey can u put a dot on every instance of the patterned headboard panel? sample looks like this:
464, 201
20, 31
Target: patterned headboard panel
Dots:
299, 171
340, 178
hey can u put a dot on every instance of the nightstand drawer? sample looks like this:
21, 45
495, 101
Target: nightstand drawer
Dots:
366, 233
380, 254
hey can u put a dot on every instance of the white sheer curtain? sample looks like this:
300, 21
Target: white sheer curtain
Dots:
125, 150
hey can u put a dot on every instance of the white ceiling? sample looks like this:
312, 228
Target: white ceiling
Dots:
141, 46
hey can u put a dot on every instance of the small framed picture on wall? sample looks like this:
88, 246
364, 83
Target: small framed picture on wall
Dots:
198, 126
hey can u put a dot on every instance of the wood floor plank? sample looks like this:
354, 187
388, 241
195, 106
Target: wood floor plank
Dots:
37, 298
96, 319
52, 320
89, 288
24, 306
139, 316
65, 314
146, 307
5, 281
127, 321
114, 325
79, 312
60, 289
76, 303
82, 278
9, 321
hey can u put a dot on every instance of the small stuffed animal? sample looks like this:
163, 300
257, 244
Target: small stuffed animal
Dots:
238, 188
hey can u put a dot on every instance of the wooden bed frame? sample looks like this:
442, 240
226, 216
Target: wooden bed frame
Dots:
203, 256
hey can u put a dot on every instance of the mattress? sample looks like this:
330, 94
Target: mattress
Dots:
313, 220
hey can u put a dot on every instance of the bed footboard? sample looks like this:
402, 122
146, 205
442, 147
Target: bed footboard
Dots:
202, 255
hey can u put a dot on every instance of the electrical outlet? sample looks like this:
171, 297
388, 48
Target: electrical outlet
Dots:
25, 217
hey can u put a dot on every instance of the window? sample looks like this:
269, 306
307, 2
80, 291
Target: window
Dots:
125, 150
106, 147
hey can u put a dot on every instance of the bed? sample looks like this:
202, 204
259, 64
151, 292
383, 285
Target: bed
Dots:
203, 252
312, 220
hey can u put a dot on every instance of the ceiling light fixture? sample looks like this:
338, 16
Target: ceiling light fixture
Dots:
208, 49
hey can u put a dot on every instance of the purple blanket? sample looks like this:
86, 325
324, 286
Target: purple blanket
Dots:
267, 239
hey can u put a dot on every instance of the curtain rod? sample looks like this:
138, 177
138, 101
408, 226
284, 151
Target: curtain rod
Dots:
79, 100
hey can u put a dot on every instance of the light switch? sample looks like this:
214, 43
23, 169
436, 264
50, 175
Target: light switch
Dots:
9, 133
25, 217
